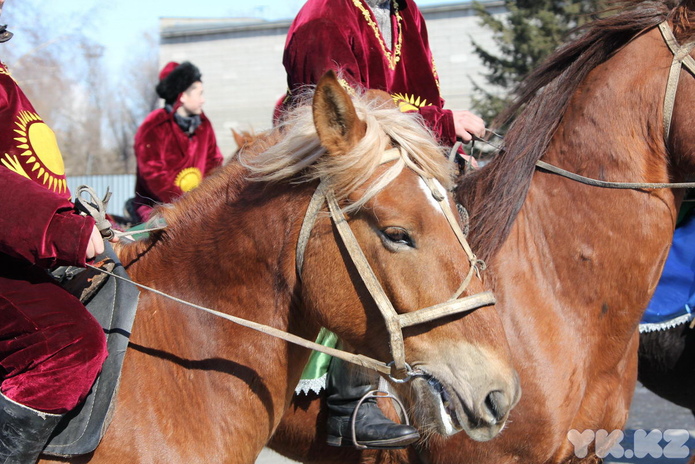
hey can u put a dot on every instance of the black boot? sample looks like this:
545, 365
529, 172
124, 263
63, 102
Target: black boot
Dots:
24, 432
345, 387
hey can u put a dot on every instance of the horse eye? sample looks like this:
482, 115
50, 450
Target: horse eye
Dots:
397, 235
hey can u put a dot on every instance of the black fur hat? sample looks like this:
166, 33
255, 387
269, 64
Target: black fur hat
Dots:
175, 78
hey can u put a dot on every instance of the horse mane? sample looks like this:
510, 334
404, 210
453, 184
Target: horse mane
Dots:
494, 194
298, 156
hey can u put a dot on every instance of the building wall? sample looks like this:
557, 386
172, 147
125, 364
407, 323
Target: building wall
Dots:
241, 62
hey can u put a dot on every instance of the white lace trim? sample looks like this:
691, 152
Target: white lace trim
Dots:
653, 327
311, 385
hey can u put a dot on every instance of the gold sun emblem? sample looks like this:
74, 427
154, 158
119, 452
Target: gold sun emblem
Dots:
38, 156
188, 179
407, 103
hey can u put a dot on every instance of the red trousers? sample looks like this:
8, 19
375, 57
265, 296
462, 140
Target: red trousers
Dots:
51, 348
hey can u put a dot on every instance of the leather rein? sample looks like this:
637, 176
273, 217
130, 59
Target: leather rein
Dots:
681, 58
398, 369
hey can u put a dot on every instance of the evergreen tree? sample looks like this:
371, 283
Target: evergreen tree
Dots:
527, 34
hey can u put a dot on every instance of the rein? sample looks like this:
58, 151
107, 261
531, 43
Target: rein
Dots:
398, 370
681, 58
350, 357
612, 185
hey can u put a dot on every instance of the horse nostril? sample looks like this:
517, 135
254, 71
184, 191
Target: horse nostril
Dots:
497, 404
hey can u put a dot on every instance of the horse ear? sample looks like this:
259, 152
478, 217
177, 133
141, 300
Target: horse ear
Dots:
238, 138
337, 124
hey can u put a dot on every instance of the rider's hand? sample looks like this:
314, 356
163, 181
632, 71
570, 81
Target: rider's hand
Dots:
468, 125
96, 244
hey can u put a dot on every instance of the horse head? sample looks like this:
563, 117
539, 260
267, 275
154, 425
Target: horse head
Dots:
385, 266
466, 381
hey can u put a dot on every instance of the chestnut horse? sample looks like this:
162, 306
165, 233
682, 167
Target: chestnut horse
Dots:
573, 265
199, 389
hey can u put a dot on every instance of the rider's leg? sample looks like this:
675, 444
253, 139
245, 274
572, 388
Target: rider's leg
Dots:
23, 431
51, 351
346, 385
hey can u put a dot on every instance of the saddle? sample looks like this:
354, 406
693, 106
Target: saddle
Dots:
113, 303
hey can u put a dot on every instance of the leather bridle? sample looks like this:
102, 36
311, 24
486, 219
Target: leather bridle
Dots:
394, 322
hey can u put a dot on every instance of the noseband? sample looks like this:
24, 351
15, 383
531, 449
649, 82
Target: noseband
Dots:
394, 322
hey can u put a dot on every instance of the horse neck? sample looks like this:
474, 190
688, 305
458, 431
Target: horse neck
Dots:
236, 258
594, 254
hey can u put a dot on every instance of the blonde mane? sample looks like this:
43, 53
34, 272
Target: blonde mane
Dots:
300, 157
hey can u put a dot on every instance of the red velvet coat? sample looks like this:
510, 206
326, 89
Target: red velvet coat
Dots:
169, 162
38, 224
51, 348
343, 35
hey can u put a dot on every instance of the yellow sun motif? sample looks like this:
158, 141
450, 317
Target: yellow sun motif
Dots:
5, 71
39, 156
13, 164
407, 103
188, 179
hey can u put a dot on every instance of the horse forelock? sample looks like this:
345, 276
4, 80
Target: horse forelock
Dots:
495, 194
300, 157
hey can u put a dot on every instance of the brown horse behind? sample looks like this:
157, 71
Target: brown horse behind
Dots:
199, 389
572, 265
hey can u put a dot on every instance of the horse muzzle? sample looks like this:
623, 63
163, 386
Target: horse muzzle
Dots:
479, 405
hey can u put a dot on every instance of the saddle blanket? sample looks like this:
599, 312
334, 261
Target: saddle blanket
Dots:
113, 305
674, 298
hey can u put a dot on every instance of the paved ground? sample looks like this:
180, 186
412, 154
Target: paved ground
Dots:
650, 412
651, 418
271, 457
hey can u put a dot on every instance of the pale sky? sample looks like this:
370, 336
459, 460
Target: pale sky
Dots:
119, 25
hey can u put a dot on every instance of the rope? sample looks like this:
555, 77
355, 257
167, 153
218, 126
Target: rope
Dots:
394, 322
358, 359
129, 233
613, 185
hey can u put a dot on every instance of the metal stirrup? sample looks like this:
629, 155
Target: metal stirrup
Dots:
373, 394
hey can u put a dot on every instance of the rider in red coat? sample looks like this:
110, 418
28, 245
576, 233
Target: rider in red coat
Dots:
374, 44
51, 348
175, 146
371, 44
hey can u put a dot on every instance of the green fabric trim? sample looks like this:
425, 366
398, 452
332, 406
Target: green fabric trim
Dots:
317, 366
141, 226
153, 223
